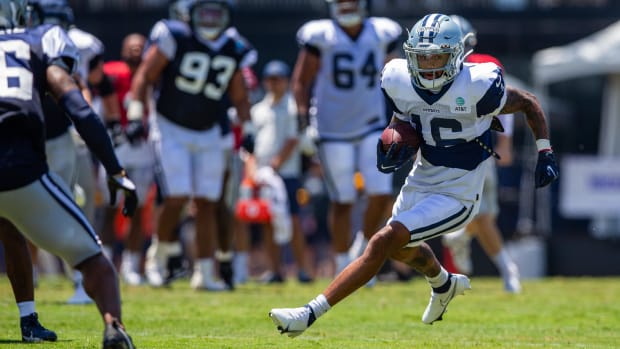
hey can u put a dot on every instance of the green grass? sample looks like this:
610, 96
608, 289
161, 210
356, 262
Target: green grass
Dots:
550, 313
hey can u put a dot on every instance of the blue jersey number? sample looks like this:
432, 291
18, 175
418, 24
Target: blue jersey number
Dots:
194, 72
15, 80
437, 125
344, 74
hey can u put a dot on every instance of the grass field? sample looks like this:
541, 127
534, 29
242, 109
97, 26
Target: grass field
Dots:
550, 313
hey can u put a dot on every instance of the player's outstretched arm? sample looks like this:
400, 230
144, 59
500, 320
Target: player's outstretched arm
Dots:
522, 101
65, 90
88, 124
519, 100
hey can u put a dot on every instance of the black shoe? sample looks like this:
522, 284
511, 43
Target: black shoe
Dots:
304, 278
270, 277
226, 273
33, 331
177, 268
115, 337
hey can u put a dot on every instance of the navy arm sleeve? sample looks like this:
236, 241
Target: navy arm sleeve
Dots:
92, 130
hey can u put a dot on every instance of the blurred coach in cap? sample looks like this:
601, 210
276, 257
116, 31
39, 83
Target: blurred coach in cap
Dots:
276, 145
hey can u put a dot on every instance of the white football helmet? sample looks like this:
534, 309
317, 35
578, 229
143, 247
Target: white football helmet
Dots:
469, 33
12, 13
179, 10
209, 18
347, 13
432, 35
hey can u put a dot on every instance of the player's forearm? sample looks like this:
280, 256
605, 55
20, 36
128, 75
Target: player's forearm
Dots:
139, 86
522, 101
91, 129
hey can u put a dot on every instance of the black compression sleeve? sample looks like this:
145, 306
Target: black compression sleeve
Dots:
89, 126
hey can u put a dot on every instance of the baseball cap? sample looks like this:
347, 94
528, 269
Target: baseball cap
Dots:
276, 68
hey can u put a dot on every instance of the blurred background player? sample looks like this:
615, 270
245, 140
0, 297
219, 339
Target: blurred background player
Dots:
484, 226
338, 68
196, 63
134, 151
276, 145
42, 59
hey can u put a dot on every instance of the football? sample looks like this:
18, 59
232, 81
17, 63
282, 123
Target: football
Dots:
400, 133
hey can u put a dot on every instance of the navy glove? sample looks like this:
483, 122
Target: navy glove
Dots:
393, 159
135, 132
546, 169
122, 182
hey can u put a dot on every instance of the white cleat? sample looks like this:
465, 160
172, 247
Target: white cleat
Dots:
439, 301
131, 278
511, 281
153, 276
358, 246
199, 282
292, 321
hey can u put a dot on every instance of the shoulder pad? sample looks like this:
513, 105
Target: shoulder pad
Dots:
387, 29
314, 33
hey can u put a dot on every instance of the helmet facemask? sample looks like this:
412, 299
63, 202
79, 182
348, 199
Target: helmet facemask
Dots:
430, 44
209, 19
347, 13
12, 13
50, 12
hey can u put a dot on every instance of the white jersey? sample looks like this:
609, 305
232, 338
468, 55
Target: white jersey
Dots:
347, 99
89, 47
454, 123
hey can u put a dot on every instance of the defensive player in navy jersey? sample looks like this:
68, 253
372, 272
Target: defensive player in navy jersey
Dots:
338, 69
35, 201
452, 104
66, 153
196, 63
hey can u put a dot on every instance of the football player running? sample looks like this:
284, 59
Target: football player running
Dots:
36, 61
338, 68
452, 104
484, 226
196, 63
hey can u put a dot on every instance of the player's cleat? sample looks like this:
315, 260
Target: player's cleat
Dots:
115, 337
439, 301
459, 245
292, 321
177, 268
200, 282
358, 246
511, 281
152, 271
304, 278
33, 331
131, 277
226, 273
130, 268
270, 277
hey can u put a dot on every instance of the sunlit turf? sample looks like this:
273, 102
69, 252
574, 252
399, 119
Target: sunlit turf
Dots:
550, 313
